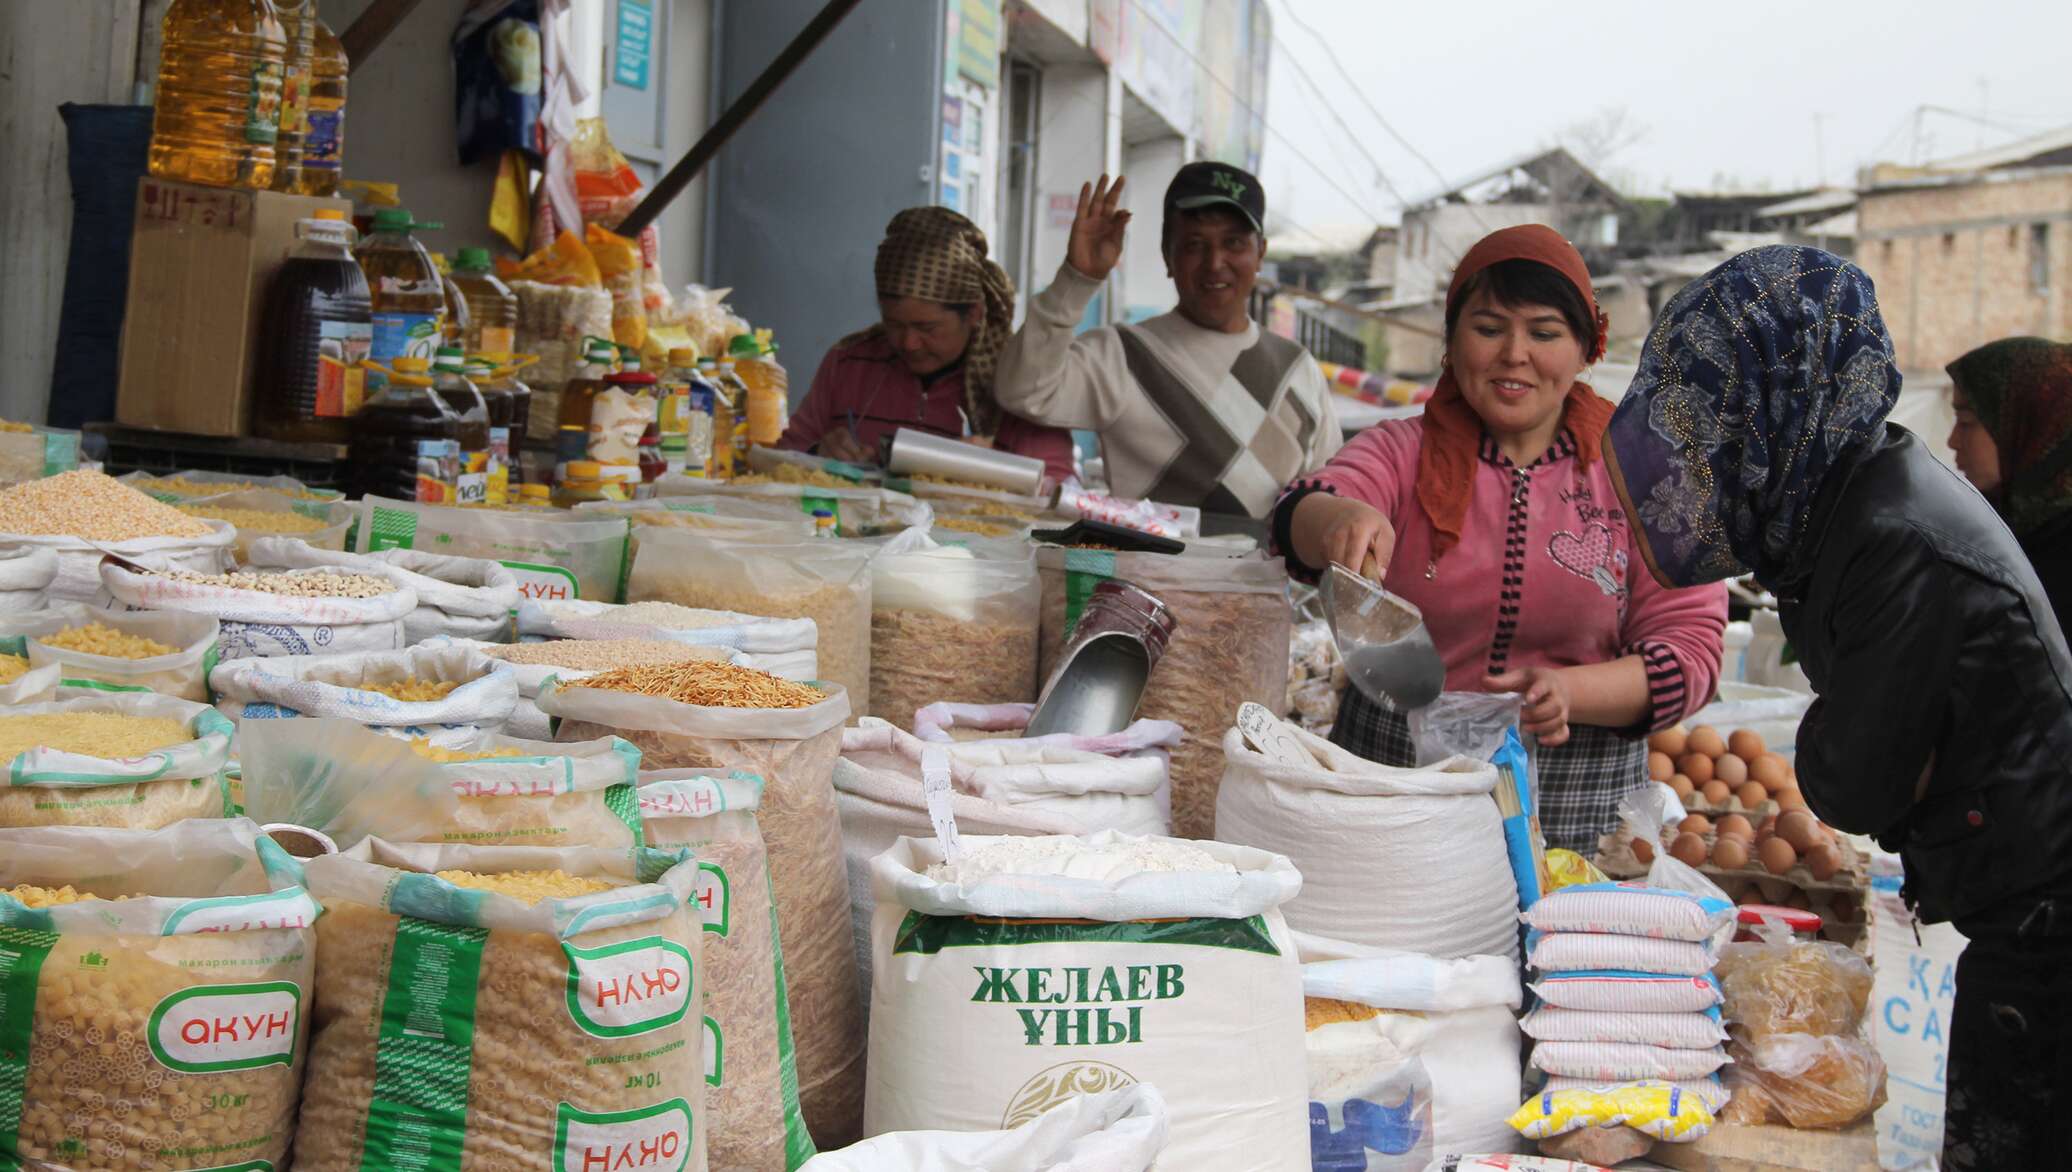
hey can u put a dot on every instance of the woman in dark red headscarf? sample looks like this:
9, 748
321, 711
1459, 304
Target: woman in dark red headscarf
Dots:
1493, 515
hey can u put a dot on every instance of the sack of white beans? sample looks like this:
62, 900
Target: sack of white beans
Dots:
467, 598
292, 612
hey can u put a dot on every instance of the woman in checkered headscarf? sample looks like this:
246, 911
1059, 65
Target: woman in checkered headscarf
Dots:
945, 309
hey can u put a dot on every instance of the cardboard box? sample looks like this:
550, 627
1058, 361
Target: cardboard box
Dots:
200, 265
1737, 1147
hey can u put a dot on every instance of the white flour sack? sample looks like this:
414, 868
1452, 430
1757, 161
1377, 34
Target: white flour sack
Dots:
258, 623
78, 576
157, 997
466, 598
1411, 860
1410, 1057
505, 1009
1036, 969
996, 787
1122, 1130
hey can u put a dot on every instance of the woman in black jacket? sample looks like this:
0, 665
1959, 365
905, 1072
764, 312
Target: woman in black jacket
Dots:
1754, 440
2013, 441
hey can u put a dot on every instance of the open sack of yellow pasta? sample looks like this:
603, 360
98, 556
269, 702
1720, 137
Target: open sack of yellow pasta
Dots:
130, 759
154, 995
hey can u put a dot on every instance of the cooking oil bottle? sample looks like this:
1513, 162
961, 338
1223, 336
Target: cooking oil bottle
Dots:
769, 388
219, 93
451, 383
578, 396
409, 297
323, 147
318, 326
298, 25
492, 307
406, 442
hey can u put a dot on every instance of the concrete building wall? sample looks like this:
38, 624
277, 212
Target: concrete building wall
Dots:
1434, 238
1147, 290
1960, 265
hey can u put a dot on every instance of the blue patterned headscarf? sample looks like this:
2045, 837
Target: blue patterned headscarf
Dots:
1759, 379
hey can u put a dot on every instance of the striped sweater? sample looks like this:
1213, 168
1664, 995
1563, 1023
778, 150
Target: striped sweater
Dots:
1545, 575
1185, 415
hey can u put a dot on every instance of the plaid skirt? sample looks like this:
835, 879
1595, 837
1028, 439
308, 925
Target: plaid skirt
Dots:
1579, 784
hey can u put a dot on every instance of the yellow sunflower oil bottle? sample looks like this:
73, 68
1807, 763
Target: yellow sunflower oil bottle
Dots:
219, 93
323, 151
299, 28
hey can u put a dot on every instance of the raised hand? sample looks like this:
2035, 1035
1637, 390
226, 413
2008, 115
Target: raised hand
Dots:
1096, 245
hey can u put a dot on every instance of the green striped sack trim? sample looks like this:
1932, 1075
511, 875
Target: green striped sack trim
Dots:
798, 1143
417, 1117
22, 953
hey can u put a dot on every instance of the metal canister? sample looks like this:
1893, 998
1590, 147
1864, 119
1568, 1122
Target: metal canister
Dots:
917, 453
1100, 678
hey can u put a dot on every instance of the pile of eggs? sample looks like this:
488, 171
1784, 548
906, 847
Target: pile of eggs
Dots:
1719, 772
1779, 843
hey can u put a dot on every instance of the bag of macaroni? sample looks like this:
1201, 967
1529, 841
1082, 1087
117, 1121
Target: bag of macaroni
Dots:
522, 1009
154, 996
1031, 970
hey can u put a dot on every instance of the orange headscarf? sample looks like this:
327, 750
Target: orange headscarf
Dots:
1452, 430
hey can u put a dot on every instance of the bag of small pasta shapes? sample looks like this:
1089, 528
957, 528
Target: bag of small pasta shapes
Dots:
515, 1009
154, 996
715, 716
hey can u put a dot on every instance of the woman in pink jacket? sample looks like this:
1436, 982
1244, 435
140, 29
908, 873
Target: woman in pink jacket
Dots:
1493, 515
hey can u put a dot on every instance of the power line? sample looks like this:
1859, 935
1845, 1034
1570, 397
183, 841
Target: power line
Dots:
1322, 100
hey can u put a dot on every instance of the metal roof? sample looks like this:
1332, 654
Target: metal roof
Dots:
1832, 199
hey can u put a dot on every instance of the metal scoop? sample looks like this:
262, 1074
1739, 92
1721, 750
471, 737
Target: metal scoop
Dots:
1388, 653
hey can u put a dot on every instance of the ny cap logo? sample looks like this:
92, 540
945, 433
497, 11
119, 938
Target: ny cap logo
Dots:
1228, 184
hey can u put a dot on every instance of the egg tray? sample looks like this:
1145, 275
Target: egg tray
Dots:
1756, 813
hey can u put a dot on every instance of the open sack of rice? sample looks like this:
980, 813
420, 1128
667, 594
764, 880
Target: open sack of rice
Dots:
276, 613
440, 692
350, 782
751, 1071
716, 717
467, 598
1230, 648
97, 650
1029, 970
952, 621
81, 516
127, 759
157, 990
784, 647
826, 581
509, 1009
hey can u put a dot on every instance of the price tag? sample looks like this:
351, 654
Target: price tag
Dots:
1274, 738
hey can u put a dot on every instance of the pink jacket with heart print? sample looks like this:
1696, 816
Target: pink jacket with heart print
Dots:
1545, 575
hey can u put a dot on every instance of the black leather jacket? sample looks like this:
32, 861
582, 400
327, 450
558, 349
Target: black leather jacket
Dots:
1927, 636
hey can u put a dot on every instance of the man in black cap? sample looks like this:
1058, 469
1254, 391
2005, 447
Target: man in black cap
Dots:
1199, 406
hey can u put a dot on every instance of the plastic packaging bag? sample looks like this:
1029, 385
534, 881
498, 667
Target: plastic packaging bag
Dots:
1121, 1130
751, 1066
1794, 987
257, 623
858, 512
1623, 1062
182, 673
948, 723
340, 779
618, 262
79, 578
50, 787
498, 1030
339, 685
1805, 1082
1625, 991
952, 623
34, 686
1559, 952
826, 581
551, 555
1654, 1108
200, 930
1675, 1031
26, 572
793, 751
465, 598
496, 69
1632, 909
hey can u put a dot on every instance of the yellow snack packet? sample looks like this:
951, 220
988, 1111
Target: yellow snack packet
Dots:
1652, 1108
1569, 869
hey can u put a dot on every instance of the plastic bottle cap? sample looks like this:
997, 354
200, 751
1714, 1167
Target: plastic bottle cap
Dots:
329, 214
744, 346
392, 220
600, 352
683, 356
585, 470
410, 365
472, 260
630, 363
534, 492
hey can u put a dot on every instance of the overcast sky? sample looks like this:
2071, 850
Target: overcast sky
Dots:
1722, 94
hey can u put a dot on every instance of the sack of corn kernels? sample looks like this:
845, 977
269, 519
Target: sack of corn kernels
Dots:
514, 1009
289, 612
154, 996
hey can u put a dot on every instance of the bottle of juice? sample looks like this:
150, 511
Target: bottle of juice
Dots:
755, 361
219, 93
323, 146
298, 25
572, 442
406, 441
317, 328
720, 465
492, 307
465, 399
736, 435
672, 412
483, 375
409, 299
622, 413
